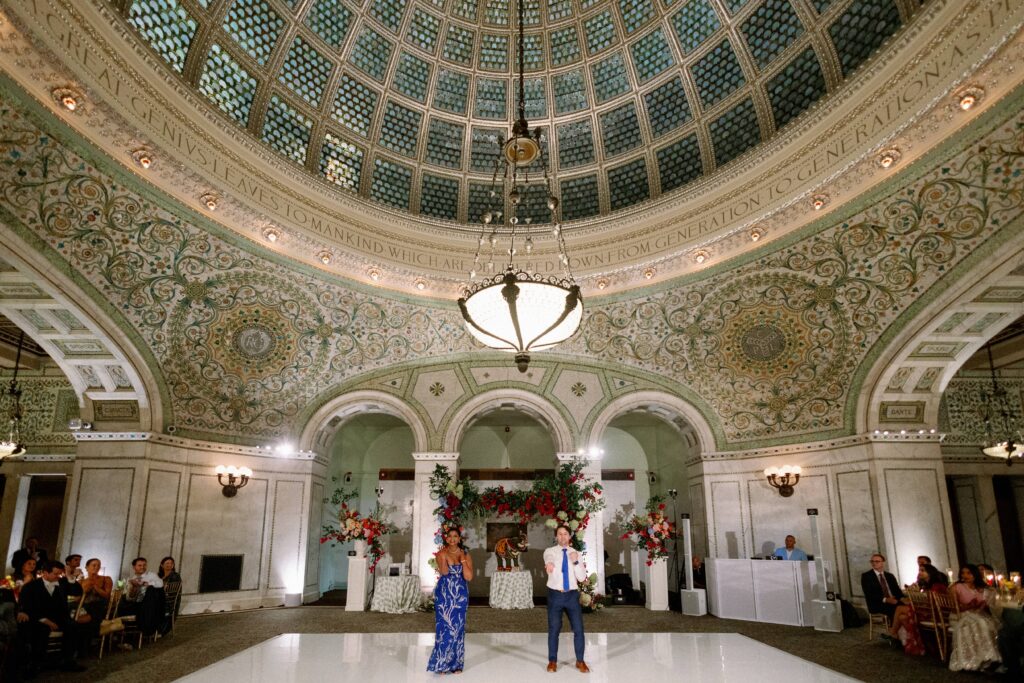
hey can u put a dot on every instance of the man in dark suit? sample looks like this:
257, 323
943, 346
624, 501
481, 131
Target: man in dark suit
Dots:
883, 594
43, 609
32, 550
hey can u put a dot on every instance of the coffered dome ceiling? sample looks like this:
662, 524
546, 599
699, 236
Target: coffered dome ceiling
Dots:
402, 101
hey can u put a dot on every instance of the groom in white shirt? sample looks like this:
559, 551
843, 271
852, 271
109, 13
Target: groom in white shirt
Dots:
565, 569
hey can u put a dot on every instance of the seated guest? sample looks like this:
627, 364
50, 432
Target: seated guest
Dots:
144, 597
169, 574
988, 575
883, 596
96, 590
974, 639
72, 575
24, 574
699, 580
790, 551
929, 578
42, 609
32, 550
922, 560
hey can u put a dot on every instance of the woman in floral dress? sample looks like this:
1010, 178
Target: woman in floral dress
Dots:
451, 599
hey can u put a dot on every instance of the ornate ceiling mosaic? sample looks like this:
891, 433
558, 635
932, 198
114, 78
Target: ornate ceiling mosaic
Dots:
402, 101
771, 349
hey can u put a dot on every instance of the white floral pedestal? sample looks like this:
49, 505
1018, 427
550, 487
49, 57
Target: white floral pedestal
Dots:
359, 583
656, 578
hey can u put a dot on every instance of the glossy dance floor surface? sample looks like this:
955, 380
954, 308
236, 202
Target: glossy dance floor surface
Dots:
514, 658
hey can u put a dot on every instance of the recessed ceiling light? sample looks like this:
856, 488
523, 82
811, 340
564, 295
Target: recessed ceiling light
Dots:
325, 257
420, 284
701, 255
969, 96
602, 283
887, 158
818, 201
649, 273
143, 157
210, 199
272, 235
374, 274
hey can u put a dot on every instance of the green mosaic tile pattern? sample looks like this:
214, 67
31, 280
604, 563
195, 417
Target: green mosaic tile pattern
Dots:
392, 183
796, 88
636, 13
565, 46
439, 197
424, 31
227, 84
718, 74
580, 198
734, 132
354, 105
254, 26
610, 79
493, 52
694, 23
479, 201
620, 130
531, 13
330, 20
667, 107
166, 26
458, 45
679, 163
497, 12
533, 208
533, 52
491, 98
861, 30
735, 5
536, 99
600, 30
575, 144
451, 92
822, 5
371, 54
388, 12
444, 143
771, 29
651, 55
400, 129
559, 9
628, 184
286, 130
341, 162
484, 148
412, 77
570, 92
305, 71
466, 9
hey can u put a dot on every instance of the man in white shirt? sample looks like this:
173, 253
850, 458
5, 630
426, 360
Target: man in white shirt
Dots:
791, 552
144, 597
565, 570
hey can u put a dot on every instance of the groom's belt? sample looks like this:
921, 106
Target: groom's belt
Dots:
562, 590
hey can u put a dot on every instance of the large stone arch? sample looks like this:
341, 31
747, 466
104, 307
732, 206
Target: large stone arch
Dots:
99, 356
665, 406
530, 403
903, 389
326, 421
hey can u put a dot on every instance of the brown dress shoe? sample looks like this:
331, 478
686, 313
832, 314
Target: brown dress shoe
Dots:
552, 667
582, 667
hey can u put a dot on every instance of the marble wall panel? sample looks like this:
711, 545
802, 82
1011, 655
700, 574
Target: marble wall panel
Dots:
156, 539
969, 511
859, 527
698, 520
100, 525
773, 517
728, 535
215, 525
913, 497
286, 552
316, 515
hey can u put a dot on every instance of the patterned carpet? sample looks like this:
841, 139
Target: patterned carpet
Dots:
203, 639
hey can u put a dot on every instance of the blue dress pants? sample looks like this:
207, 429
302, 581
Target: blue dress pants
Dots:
570, 603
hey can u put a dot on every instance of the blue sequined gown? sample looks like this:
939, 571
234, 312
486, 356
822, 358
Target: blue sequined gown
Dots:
451, 598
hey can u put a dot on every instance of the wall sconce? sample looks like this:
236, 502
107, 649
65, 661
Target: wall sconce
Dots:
784, 478
237, 477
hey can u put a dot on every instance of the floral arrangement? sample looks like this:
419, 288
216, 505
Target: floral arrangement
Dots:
8, 584
355, 527
562, 497
652, 531
590, 599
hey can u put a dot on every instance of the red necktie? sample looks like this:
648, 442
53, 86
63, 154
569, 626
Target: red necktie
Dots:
885, 585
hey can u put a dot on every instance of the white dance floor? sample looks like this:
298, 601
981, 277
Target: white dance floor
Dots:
514, 658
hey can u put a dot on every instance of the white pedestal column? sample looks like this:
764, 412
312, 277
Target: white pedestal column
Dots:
594, 535
359, 579
424, 525
657, 585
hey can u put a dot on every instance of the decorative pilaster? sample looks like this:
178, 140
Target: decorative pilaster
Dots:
423, 523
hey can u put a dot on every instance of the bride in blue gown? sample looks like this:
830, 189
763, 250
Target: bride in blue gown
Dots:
451, 598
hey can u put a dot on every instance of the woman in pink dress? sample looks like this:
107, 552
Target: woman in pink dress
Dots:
974, 637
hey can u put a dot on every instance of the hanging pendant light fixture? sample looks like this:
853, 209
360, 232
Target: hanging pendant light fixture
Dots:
12, 445
1009, 448
515, 309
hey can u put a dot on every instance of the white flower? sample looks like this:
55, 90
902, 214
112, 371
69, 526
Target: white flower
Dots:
574, 525
584, 599
562, 516
581, 514
551, 523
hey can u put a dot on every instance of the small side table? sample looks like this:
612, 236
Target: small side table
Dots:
511, 590
396, 594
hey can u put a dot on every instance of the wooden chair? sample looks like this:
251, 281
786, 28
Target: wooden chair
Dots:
172, 593
55, 643
132, 630
876, 618
112, 605
923, 605
947, 612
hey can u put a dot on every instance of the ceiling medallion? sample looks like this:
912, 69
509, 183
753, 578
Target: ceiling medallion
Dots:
516, 309
143, 158
210, 199
968, 96
271, 235
374, 274
889, 157
756, 233
819, 201
701, 255
69, 98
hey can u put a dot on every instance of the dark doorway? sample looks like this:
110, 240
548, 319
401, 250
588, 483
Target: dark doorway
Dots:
44, 512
